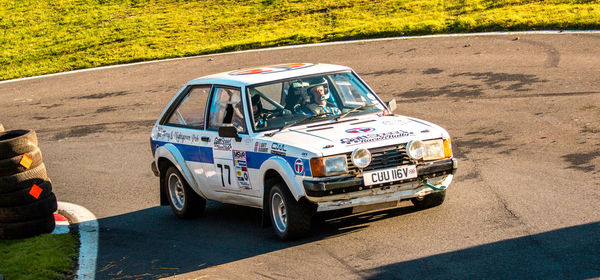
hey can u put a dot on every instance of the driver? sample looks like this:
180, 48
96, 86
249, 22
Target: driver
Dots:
319, 94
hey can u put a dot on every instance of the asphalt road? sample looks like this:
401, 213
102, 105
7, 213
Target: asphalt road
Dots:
523, 110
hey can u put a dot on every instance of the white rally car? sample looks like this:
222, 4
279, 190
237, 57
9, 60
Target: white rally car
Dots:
293, 140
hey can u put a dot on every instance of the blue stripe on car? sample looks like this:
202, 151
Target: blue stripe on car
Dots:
253, 159
191, 153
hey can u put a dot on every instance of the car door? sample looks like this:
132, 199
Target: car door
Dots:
184, 127
230, 164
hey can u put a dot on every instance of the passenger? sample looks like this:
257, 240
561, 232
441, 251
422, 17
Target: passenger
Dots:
258, 112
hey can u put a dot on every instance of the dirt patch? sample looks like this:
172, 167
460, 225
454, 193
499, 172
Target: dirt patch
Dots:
106, 109
51, 106
432, 71
514, 82
582, 161
103, 95
454, 90
386, 72
79, 131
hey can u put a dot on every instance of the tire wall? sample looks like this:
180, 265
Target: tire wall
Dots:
27, 202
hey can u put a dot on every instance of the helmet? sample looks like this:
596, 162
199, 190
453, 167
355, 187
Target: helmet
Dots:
256, 102
318, 81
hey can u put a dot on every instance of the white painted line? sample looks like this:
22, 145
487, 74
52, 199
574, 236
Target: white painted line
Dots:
498, 33
88, 237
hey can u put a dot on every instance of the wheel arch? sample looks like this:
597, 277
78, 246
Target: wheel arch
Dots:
280, 167
163, 165
168, 155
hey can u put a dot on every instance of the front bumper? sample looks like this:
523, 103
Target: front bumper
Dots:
344, 192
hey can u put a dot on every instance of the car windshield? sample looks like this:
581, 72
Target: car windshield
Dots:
282, 104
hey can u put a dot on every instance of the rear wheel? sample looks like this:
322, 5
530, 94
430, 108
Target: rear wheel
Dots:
184, 201
290, 219
430, 200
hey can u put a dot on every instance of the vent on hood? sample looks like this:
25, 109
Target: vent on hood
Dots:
316, 129
362, 122
329, 123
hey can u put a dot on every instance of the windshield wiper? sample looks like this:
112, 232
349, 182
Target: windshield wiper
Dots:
306, 119
354, 110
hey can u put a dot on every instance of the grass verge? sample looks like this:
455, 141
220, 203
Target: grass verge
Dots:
44, 257
40, 37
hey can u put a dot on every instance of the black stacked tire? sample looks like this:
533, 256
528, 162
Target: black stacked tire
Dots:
27, 203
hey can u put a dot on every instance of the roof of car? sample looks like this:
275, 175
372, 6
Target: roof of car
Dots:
259, 75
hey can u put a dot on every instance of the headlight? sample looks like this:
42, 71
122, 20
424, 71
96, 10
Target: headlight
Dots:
415, 148
361, 157
437, 149
328, 166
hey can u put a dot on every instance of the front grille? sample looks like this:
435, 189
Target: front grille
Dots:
382, 157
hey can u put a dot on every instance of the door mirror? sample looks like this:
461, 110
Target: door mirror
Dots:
391, 105
230, 132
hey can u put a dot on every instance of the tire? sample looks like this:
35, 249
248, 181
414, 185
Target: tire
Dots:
26, 229
11, 166
184, 201
17, 142
430, 200
22, 197
290, 219
26, 179
28, 212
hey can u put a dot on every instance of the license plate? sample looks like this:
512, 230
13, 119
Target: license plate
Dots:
390, 174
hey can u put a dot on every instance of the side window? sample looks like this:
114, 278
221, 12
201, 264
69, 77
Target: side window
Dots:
226, 109
190, 111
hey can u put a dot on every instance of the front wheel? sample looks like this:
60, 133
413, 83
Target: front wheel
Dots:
430, 200
184, 201
290, 219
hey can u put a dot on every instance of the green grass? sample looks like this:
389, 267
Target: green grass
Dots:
40, 37
48, 256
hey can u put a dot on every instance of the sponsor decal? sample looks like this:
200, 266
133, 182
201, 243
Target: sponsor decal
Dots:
278, 149
271, 69
222, 144
261, 147
241, 169
376, 137
239, 155
360, 130
299, 166
174, 136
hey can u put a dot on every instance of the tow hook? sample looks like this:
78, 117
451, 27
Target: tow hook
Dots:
441, 188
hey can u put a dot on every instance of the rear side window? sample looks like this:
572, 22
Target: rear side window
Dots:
190, 111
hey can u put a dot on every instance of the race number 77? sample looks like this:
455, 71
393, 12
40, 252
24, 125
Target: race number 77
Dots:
221, 166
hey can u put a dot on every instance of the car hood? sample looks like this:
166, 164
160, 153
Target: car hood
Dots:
334, 137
